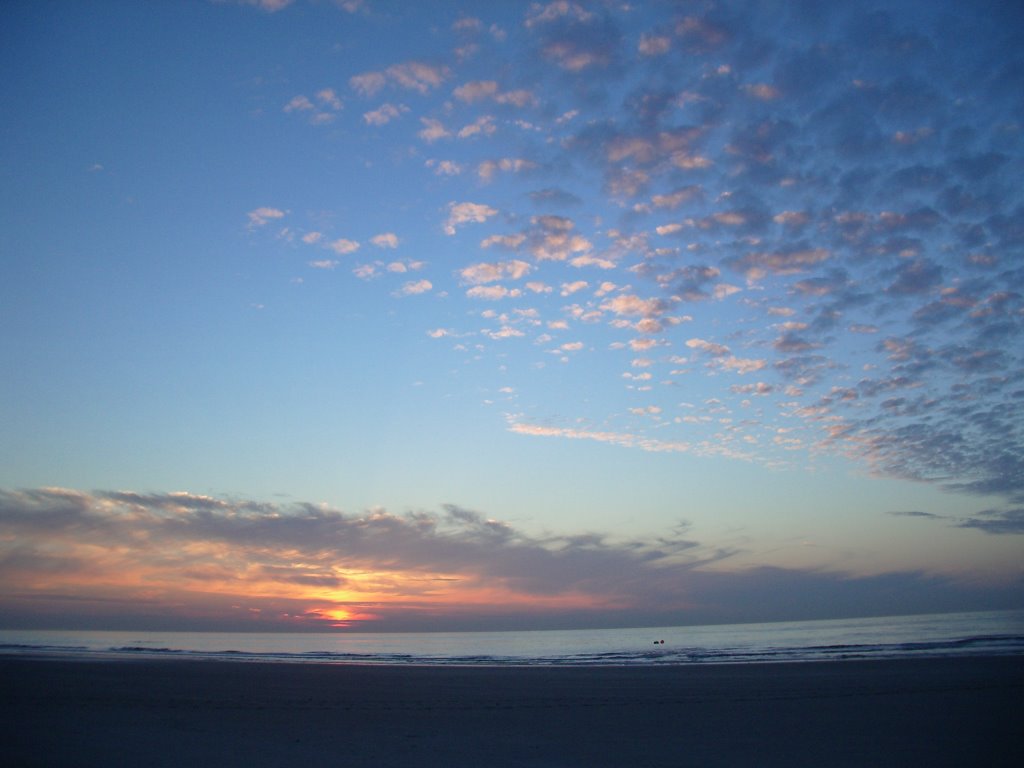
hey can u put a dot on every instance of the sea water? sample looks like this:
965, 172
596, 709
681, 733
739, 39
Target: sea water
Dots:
954, 634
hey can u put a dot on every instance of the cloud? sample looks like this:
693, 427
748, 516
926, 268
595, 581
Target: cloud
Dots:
183, 561
328, 98
299, 104
467, 24
414, 287
916, 513
488, 90
707, 347
915, 277
517, 98
368, 83
385, 240
654, 45
367, 271
678, 197
551, 238
723, 358
997, 521
701, 35
433, 130
631, 305
417, 76
555, 197
412, 75
487, 168
788, 261
572, 57
405, 266
476, 90
343, 246
762, 91
858, 184
993, 521
444, 167
760, 388
834, 185
573, 37
742, 365
489, 272
622, 439
483, 125
688, 283
384, 114
555, 11
570, 288
328, 102
260, 216
467, 213
792, 219
509, 242
505, 332
270, 6
492, 292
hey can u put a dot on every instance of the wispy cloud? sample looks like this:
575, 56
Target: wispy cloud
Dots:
624, 439
997, 521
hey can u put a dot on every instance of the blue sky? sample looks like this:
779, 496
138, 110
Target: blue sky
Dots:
717, 294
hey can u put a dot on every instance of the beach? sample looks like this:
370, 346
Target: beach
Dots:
934, 712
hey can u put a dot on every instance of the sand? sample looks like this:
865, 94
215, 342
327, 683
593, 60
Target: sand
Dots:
926, 712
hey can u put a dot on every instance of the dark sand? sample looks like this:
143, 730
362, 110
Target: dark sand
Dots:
923, 712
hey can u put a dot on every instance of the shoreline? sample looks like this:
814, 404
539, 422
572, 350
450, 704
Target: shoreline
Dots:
935, 711
259, 660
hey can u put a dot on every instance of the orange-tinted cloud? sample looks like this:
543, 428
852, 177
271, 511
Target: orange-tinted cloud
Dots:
110, 560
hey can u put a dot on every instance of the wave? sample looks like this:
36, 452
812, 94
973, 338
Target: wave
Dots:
995, 645
995, 633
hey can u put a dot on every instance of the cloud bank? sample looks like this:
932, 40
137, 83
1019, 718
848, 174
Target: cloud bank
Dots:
72, 559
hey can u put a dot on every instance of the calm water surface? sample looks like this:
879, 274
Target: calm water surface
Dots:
985, 633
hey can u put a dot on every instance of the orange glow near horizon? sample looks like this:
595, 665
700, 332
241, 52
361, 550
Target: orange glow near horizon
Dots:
210, 579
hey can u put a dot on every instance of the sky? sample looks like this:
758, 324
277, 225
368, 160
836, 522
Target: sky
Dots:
370, 315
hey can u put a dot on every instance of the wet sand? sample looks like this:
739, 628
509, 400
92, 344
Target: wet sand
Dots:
931, 712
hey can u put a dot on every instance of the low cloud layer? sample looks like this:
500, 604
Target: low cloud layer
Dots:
120, 559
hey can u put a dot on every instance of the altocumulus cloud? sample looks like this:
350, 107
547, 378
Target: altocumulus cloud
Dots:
857, 174
70, 558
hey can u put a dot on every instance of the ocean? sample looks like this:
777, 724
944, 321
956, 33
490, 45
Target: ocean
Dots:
954, 634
